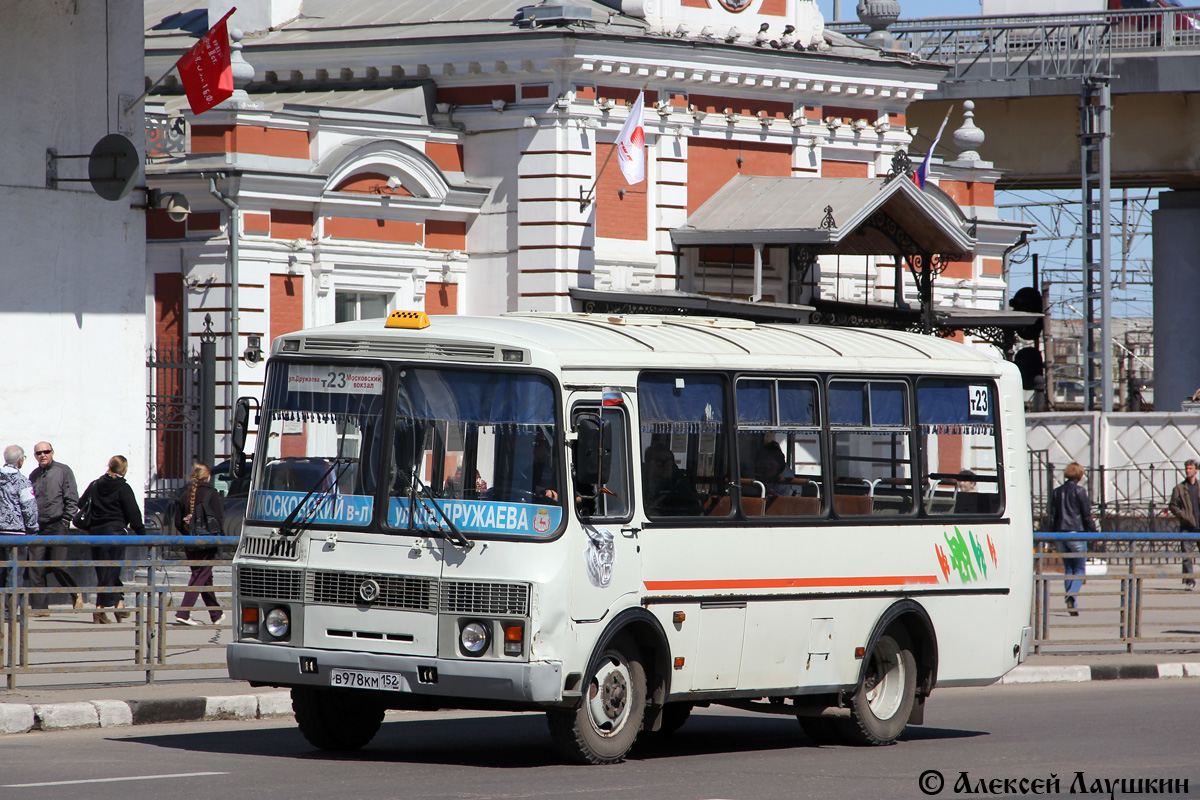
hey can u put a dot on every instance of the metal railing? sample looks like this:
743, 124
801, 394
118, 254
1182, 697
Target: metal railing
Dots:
1133, 595
1042, 46
147, 642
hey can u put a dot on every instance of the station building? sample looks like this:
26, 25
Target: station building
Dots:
401, 155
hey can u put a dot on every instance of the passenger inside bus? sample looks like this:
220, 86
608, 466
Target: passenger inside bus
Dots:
669, 492
545, 476
770, 469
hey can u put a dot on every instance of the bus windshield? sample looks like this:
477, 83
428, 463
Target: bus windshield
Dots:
477, 449
322, 428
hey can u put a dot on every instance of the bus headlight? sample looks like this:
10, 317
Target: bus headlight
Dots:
474, 638
277, 622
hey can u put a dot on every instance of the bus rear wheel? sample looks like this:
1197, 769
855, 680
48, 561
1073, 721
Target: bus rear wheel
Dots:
604, 726
336, 720
884, 698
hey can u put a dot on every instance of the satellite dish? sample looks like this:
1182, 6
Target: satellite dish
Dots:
176, 206
113, 166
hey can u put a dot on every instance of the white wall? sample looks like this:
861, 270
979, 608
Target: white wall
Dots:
72, 273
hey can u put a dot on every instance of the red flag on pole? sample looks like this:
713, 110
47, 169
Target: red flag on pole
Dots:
205, 70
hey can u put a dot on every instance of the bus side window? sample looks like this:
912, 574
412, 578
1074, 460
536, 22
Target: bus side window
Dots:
684, 445
961, 464
610, 500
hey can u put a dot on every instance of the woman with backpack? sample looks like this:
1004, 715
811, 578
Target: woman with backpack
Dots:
111, 509
200, 511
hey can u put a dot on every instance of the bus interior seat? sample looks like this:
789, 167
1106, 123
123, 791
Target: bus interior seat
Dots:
852, 505
794, 506
721, 508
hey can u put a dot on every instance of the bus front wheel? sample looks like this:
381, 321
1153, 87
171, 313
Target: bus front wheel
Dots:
336, 721
604, 726
884, 697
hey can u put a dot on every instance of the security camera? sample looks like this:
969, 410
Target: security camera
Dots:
393, 183
176, 206
253, 353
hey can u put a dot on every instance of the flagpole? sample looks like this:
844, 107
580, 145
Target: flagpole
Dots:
130, 105
585, 201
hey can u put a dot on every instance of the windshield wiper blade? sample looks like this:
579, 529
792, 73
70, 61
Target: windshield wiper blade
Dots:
289, 528
455, 534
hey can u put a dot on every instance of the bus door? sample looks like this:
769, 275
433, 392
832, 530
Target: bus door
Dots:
605, 559
694, 558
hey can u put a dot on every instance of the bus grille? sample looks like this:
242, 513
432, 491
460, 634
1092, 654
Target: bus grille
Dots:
468, 597
450, 351
403, 592
276, 584
395, 591
269, 547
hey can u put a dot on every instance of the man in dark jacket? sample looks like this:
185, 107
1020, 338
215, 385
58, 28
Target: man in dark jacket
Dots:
1185, 503
58, 500
1071, 512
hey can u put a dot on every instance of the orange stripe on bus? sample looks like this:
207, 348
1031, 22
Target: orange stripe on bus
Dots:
789, 583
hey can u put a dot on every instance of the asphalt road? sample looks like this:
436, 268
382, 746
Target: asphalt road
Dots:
1114, 730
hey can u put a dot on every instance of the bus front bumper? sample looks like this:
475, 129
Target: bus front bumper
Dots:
275, 665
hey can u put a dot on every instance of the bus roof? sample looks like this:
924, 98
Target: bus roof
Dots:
572, 341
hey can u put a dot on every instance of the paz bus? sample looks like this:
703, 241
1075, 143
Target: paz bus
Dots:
616, 519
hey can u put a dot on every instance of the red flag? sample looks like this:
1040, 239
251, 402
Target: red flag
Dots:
205, 71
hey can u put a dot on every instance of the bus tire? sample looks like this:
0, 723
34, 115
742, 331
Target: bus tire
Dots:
883, 700
339, 721
604, 726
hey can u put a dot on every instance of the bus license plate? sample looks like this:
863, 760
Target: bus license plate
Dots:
357, 679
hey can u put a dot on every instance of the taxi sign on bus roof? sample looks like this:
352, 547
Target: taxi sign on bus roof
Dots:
407, 319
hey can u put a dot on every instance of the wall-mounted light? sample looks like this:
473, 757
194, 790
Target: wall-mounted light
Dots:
621, 193
498, 105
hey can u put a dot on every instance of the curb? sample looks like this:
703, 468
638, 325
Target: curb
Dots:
1104, 672
24, 717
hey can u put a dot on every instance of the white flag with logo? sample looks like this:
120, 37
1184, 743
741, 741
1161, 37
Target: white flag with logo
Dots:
631, 145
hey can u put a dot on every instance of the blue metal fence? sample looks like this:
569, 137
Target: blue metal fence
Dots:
68, 644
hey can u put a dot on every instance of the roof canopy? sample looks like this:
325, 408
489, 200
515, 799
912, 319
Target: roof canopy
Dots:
849, 216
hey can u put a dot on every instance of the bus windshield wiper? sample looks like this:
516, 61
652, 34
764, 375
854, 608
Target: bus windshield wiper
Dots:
290, 528
422, 490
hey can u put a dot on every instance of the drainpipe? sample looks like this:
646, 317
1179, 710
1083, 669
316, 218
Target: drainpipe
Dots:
1024, 240
235, 225
754, 298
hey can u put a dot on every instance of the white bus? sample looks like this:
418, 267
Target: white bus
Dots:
617, 519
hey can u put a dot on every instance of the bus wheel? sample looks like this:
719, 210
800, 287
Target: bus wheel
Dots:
602, 728
336, 721
884, 698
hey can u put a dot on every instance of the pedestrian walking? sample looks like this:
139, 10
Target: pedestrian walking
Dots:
1071, 512
113, 508
1185, 505
18, 508
200, 512
57, 500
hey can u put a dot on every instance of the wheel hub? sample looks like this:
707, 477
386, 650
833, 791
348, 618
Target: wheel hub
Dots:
614, 693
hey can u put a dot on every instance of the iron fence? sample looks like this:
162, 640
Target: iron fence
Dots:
146, 642
1134, 595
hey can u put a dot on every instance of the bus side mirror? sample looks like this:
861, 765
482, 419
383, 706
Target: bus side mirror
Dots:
241, 423
593, 450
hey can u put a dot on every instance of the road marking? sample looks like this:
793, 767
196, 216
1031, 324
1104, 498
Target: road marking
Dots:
112, 780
